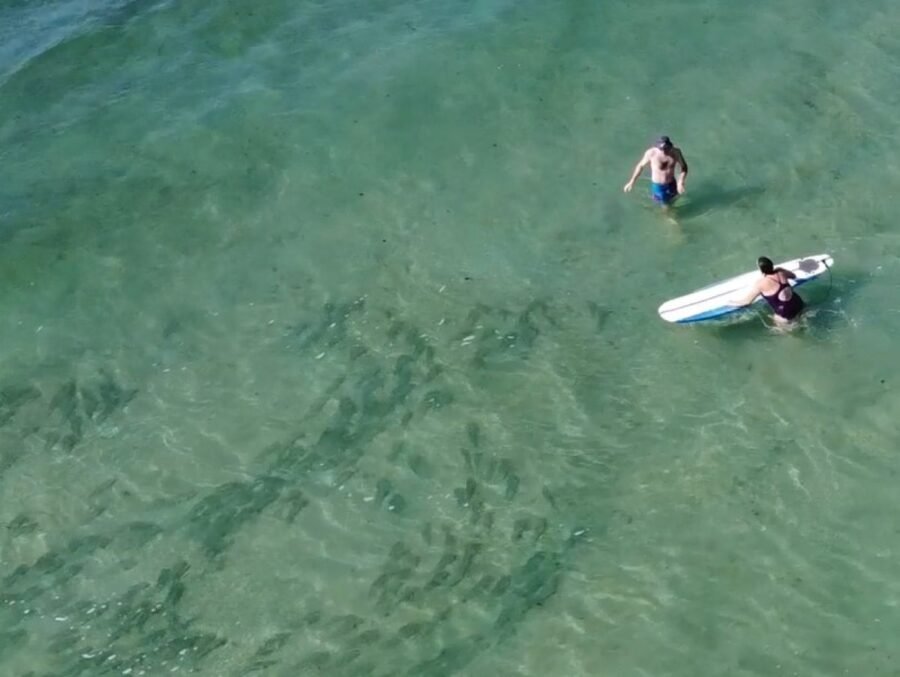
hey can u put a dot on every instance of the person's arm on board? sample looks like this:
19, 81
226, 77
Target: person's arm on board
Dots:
747, 299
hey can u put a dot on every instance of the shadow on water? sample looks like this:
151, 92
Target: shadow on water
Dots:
709, 196
830, 300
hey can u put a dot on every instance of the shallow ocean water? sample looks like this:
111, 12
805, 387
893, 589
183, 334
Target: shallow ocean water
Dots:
330, 341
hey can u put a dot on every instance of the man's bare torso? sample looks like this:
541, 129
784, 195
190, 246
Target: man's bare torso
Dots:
663, 163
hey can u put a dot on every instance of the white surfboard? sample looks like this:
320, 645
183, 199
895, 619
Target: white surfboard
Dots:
712, 302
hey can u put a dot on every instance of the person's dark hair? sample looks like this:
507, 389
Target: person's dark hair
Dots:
664, 143
766, 267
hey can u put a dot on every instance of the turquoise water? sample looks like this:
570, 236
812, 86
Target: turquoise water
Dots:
330, 341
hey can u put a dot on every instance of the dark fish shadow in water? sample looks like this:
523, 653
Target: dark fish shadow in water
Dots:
709, 196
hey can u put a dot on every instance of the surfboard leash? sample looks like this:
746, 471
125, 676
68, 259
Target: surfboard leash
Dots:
830, 280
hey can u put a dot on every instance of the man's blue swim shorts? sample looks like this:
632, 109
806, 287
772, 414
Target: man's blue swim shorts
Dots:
664, 193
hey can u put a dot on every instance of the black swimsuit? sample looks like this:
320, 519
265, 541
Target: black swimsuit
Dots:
787, 309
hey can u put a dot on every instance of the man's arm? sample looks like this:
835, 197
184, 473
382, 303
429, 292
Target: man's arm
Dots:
684, 171
637, 171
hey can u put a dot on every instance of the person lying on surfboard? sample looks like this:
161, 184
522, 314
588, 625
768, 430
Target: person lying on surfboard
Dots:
663, 158
774, 286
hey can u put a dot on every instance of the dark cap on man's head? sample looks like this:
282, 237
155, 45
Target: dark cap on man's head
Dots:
664, 142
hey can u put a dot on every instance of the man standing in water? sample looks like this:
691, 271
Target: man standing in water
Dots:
662, 158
